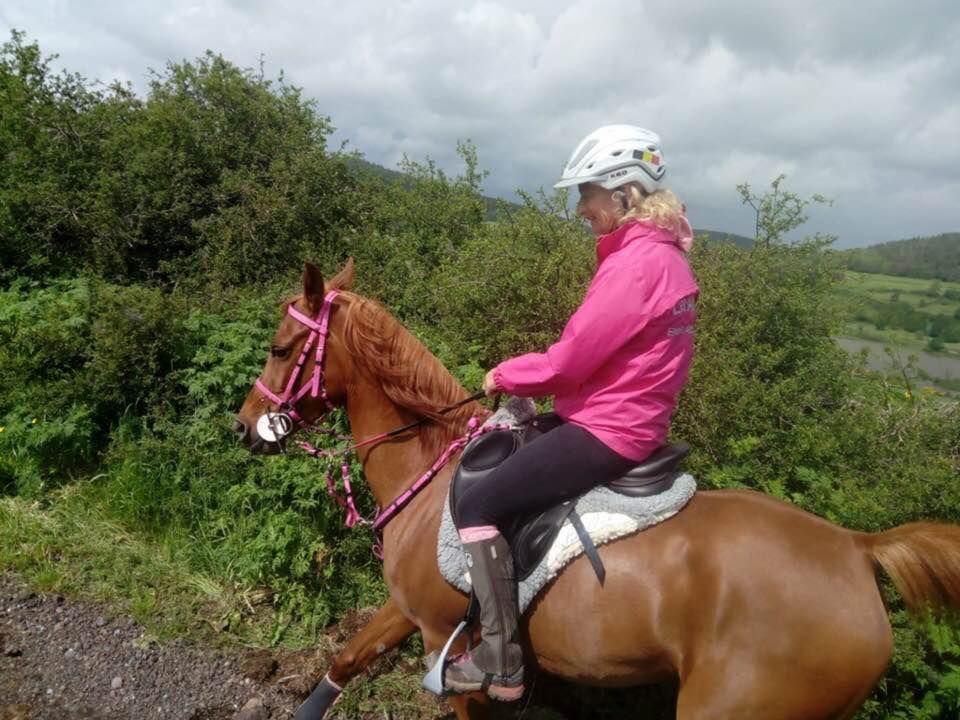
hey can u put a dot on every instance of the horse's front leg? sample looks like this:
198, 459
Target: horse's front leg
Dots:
387, 629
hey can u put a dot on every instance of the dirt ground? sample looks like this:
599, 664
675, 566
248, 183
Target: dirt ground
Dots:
68, 659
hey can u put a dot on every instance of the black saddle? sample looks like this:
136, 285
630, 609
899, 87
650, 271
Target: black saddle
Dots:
530, 537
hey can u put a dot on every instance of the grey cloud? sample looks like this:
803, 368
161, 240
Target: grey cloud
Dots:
860, 104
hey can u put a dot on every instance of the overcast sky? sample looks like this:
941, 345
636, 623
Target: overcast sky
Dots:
858, 100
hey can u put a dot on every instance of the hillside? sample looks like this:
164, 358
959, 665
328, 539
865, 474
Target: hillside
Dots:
362, 166
934, 258
724, 237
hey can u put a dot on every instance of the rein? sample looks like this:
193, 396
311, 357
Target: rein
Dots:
275, 426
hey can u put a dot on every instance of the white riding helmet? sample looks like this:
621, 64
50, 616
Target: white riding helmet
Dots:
615, 155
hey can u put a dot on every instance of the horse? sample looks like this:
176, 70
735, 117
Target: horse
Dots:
751, 606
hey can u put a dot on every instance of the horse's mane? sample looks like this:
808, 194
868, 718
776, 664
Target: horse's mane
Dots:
409, 374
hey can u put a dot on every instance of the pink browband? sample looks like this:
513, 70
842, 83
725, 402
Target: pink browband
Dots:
319, 329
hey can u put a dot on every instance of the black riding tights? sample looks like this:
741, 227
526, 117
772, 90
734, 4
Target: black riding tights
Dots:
559, 465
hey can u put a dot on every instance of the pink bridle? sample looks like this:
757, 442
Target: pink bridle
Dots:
317, 340
286, 404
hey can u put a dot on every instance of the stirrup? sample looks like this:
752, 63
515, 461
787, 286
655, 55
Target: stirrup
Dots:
433, 680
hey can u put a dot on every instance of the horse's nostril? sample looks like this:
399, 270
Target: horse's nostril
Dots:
240, 430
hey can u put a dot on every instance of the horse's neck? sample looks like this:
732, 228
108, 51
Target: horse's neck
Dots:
390, 467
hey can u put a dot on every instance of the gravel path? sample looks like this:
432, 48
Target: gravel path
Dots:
70, 660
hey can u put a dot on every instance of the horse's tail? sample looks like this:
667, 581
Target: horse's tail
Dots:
922, 559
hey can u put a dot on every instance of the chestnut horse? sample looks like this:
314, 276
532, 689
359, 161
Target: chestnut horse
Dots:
754, 607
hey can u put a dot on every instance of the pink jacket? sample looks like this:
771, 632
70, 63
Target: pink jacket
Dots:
624, 355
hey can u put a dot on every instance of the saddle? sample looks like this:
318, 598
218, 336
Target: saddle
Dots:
530, 537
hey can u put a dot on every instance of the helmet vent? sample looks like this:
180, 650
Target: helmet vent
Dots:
616, 153
581, 153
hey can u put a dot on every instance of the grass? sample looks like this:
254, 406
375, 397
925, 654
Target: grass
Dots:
876, 283
861, 290
66, 544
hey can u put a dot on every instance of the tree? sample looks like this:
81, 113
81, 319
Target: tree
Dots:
52, 127
778, 211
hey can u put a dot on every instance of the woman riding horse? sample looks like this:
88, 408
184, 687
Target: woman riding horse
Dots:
615, 374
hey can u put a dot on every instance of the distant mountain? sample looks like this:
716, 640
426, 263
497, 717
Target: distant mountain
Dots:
365, 166
936, 257
725, 237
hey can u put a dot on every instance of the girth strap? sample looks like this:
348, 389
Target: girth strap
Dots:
588, 547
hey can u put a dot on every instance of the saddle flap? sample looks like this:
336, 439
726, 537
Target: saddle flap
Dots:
531, 537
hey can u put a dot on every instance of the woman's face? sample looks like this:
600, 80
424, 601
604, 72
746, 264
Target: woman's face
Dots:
598, 207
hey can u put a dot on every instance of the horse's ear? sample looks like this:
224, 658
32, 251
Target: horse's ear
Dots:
312, 285
344, 278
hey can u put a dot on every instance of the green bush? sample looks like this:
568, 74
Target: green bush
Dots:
512, 286
176, 222
219, 176
263, 522
46, 410
75, 357
766, 371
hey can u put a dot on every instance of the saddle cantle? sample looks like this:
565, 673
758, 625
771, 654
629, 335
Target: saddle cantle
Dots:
530, 537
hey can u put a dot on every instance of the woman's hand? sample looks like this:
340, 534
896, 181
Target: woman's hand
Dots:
490, 385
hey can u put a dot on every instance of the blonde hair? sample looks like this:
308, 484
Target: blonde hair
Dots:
662, 208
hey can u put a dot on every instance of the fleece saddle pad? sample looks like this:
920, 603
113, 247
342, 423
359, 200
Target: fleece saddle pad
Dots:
605, 514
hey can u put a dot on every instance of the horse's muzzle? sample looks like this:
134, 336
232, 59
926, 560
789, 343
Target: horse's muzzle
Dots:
248, 436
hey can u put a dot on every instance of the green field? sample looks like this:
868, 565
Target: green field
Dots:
898, 314
916, 291
873, 302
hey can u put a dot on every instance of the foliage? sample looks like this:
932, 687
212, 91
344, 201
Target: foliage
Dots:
511, 287
935, 257
415, 224
145, 245
777, 212
74, 356
217, 175
766, 371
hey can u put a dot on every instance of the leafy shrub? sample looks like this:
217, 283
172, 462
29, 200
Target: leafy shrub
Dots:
218, 176
766, 370
512, 286
75, 357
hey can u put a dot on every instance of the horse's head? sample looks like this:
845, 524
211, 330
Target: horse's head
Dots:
306, 371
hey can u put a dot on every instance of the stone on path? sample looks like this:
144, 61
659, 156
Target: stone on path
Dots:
253, 710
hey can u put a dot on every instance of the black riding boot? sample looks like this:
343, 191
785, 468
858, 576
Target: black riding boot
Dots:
496, 665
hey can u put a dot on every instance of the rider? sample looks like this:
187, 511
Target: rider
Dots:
615, 375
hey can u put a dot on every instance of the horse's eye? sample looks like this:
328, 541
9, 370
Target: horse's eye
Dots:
279, 351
